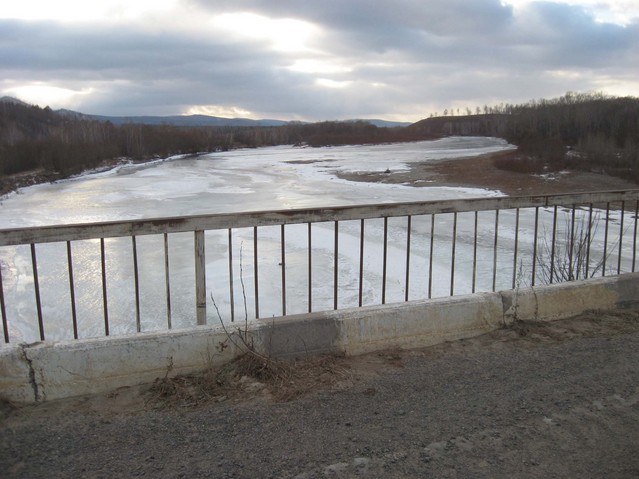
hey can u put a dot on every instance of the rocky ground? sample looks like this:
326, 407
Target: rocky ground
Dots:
533, 400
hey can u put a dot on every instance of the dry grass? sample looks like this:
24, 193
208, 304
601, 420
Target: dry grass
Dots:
518, 163
249, 375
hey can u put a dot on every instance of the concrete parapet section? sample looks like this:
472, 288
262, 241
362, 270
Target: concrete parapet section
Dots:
393, 326
16, 375
546, 303
51, 370
299, 335
418, 323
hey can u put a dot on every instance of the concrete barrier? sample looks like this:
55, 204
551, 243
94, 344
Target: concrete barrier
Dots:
418, 323
52, 370
546, 303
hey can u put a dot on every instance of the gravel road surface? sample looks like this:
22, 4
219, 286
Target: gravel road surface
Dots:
534, 400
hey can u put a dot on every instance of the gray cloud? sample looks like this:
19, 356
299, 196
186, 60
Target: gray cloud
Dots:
403, 58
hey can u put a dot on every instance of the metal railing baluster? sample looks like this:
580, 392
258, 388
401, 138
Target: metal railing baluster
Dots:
136, 281
36, 287
408, 234
3, 311
384, 260
589, 240
167, 281
534, 258
310, 268
255, 273
200, 277
605, 245
474, 279
495, 249
74, 316
516, 249
335, 265
634, 237
430, 260
231, 289
361, 261
283, 263
105, 300
623, 211
553, 244
571, 245
452, 260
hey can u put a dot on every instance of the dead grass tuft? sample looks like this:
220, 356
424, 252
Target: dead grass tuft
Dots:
246, 377
521, 327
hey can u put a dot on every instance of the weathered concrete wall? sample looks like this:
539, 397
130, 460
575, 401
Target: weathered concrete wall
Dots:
568, 299
418, 323
50, 370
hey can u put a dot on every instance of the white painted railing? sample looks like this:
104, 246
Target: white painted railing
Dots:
529, 240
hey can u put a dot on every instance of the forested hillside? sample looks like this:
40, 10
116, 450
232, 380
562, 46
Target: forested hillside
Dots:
38, 138
581, 131
585, 131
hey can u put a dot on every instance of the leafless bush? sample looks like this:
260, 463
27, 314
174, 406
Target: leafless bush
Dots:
568, 257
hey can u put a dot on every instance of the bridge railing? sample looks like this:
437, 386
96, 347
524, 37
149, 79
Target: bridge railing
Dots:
83, 280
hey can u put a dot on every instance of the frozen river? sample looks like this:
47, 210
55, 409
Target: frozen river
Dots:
242, 180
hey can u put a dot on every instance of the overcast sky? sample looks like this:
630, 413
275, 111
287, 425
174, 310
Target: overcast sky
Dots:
313, 59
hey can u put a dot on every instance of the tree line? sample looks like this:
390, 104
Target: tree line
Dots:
589, 131
578, 130
34, 138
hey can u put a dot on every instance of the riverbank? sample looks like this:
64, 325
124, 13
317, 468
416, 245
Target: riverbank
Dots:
12, 183
481, 172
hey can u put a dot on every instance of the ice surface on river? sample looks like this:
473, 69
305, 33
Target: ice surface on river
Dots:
248, 180
239, 180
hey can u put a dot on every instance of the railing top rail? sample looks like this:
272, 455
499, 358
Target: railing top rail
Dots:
113, 229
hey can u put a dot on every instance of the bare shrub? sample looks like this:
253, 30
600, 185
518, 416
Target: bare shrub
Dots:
251, 373
569, 258
246, 377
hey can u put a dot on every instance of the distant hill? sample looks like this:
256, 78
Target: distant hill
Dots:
175, 120
384, 123
15, 101
205, 120
194, 120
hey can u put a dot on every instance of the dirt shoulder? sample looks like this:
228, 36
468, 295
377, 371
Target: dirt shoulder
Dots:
544, 400
480, 172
